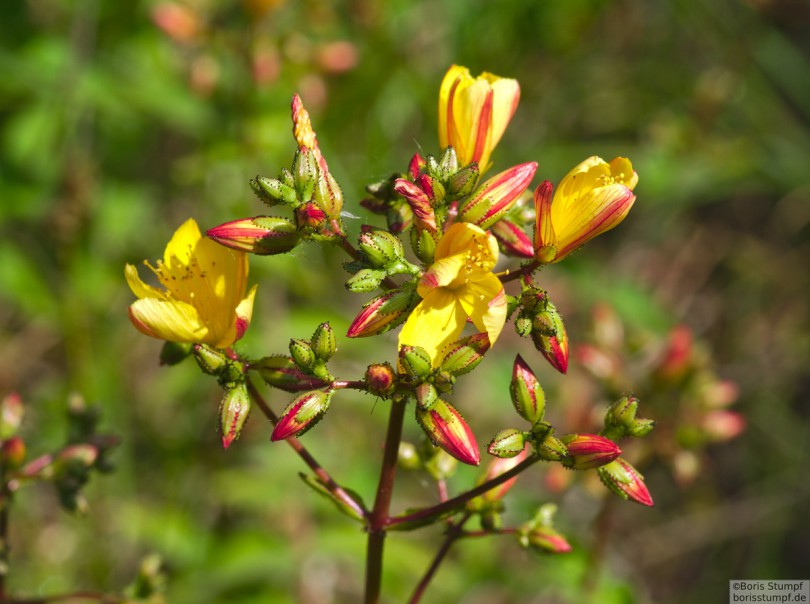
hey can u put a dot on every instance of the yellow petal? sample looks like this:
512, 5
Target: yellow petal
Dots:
484, 302
180, 248
138, 287
168, 320
506, 95
450, 84
441, 273
244, 315
436, 321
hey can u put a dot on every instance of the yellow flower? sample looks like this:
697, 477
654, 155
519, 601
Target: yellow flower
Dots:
592, 198
459, 284
204, 300
474, 112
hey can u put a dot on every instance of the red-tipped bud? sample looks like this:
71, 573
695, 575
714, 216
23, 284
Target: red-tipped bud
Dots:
419, 201
233, 413
463, 182
310, 217
302, 414
589, 451
446, 428
426, 395
624, 480
546, 539
497, 195
545, 240
723, 425
380, 379
677, 357
512, 239
12, 411
281, 372
527, 394
464, 355
12, 453
383, 313
549, 335
209, 359
416, 166
262, 235
432, 187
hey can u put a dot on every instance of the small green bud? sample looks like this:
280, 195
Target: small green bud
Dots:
305, 173
448, 164
464, 181
507, 443
432, 166
423, 244
491, 520
302, 353
415, 362
523, 326
210, 360
365, 280
426, 395
380, 379
324, 344
303, 413
282, 372
286, 178
273, 192
380, 248
444, 381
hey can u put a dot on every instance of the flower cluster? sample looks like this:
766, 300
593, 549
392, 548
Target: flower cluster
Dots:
432, 269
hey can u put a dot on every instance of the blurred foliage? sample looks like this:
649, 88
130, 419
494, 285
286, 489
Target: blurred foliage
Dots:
118, 120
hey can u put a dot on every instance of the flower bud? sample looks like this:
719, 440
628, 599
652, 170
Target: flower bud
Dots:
549, 336
512, 239
463, 182
507, 443
721, 425
527, 394
497, 195
210, 360
233, 413
365, 280
624, 480
310, 217
419, 201
285, 177
273, 192
545, 539
281, 372
380, 379
12, 412
547, 446
380, 247
328, 195
446, 428
324, 344
464, 355
383, 313
432, 187
677, 357
444, 381
305, 173
523, 326
302, 414
448, 163
174, 352
12, 453
415, 362
426, 395
423, 243
261, 235
589, 451
416, 165
302, 353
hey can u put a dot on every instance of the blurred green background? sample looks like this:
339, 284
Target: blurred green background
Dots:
118, 120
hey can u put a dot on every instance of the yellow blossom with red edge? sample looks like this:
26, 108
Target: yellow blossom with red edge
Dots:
592, 198
205, 299
459, 284
474, 113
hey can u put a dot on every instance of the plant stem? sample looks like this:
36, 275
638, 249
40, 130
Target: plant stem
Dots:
455, 502
4, 505
78, 595
304, 454
454, 532
526, 269
382, 503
